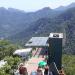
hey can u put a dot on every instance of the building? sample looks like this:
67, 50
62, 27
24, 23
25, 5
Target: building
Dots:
53, 43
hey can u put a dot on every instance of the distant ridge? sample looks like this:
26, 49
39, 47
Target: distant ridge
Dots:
65, 7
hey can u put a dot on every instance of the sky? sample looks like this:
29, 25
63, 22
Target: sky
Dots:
33, 5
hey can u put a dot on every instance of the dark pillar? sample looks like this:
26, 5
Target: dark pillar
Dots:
55, 51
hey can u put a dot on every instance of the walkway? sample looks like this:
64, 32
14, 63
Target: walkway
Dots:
32, 64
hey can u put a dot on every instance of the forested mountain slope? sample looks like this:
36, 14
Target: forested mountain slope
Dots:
65, 23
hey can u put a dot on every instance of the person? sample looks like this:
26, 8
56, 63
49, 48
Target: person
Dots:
23, 70
39, 71
50, 72
46, 70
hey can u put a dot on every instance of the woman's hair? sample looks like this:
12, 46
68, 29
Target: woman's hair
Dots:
39, 67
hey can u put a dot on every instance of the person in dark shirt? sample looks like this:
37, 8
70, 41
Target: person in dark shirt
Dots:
46, 70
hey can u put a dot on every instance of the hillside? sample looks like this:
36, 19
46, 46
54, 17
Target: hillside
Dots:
13, 21
19, 26
68, 64
61, 8
42, 27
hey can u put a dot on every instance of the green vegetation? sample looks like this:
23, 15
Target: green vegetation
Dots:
7, 48
69, 64
6, 53
10, 66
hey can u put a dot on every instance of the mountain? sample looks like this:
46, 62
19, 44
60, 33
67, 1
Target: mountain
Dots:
71, 5
19, 26
13, 21
65, 22
62, 8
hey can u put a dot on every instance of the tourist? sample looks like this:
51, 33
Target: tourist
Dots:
50, 72
23, 70
46, 70
39, 71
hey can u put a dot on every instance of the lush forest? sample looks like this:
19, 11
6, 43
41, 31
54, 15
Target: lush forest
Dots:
68, 62
6, 53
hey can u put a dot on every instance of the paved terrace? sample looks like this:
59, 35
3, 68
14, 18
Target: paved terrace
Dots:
32, 64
